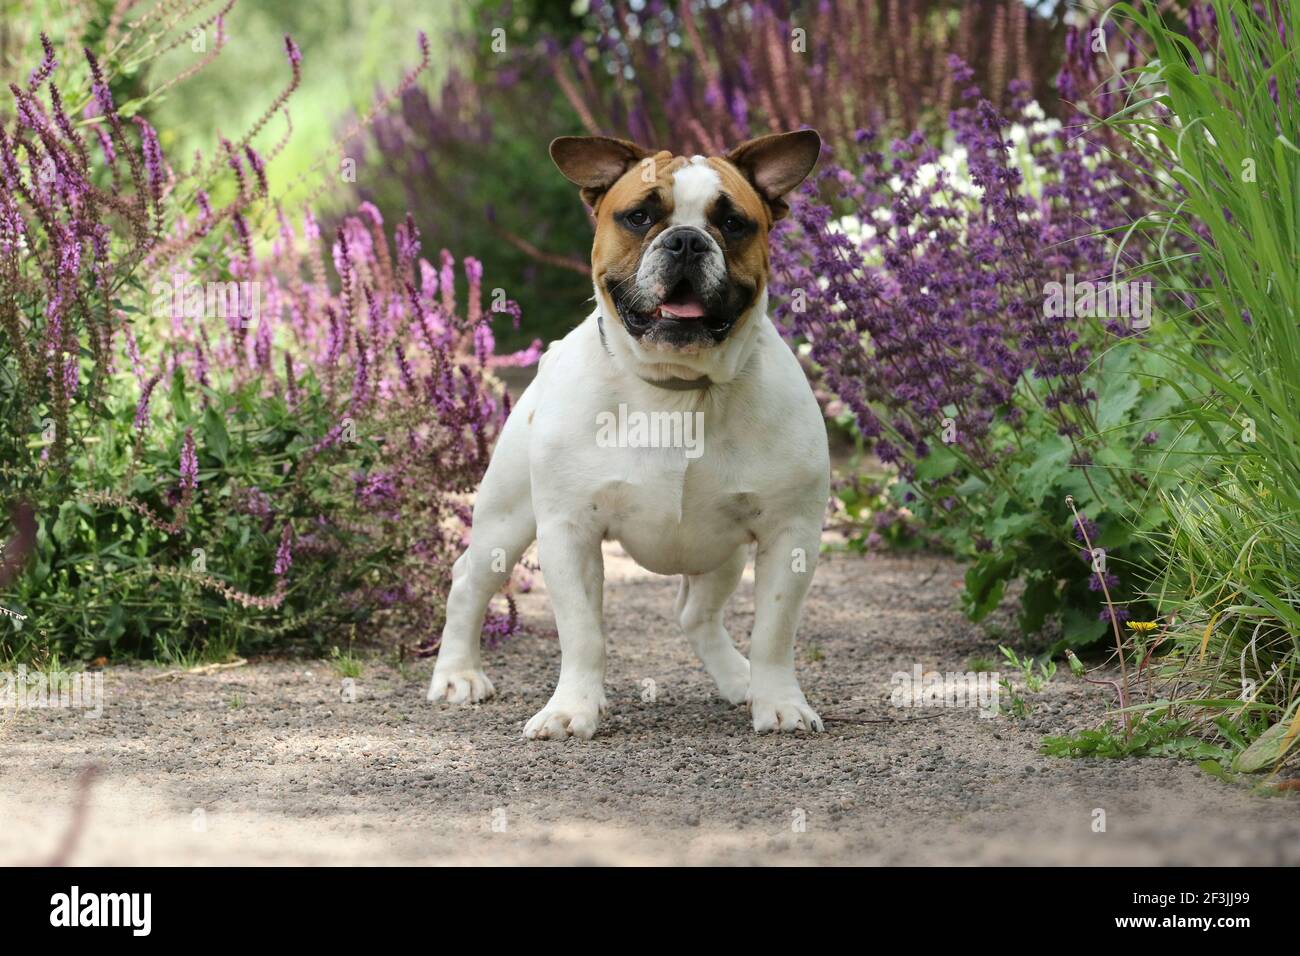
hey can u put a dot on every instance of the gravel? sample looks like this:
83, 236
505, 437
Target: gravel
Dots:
270, 763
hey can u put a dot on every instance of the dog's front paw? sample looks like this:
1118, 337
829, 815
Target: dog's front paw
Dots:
565, 716
784, 710
460, 685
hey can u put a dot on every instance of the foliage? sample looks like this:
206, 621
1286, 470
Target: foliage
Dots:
869, 517
1032, 680
1152, 737
1216, 110
702, 77
223, 451
472, 166
934, 312
469, 158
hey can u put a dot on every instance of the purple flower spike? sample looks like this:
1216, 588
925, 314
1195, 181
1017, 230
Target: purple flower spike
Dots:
189, 463
284, 553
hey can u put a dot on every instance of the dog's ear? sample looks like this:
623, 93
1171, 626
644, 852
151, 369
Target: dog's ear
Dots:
777, 163
594, 163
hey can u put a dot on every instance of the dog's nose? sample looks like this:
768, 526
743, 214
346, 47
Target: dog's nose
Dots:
686, 243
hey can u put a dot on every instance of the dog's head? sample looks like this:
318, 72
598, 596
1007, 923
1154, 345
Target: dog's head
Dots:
680, 256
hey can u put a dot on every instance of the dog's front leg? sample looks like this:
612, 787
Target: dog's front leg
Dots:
573, 569
783, 571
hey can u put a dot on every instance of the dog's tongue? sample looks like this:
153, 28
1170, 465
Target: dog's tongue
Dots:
685, 305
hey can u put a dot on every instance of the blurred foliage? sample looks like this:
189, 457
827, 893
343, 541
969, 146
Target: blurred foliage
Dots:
469, 158
349, 51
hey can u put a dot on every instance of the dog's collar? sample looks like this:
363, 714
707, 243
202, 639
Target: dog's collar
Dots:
672, 384
676, 384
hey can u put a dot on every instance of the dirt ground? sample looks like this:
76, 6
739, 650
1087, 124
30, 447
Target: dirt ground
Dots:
269, 763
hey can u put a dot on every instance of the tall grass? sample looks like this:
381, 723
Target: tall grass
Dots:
1223, 125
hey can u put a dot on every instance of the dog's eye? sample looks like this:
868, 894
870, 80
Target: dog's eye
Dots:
734, 225
637, 218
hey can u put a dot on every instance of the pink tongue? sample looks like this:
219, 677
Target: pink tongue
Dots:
690, 309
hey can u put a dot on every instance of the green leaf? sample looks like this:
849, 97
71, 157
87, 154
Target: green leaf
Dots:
115, 626
1116, 399
180, 399
1265, 751
1010, 527
986, 581
1081, 627
216, 441
65, 525
1040, 598
940, 463
1214, 769
1050, 467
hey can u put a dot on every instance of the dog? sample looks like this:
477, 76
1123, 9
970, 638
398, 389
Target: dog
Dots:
680, 331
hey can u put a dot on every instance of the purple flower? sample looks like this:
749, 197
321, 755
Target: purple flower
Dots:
142, 406
153, 158
259, 167
98, 87
48, 63
189, 463
284, 553
1095, 581
1085, 530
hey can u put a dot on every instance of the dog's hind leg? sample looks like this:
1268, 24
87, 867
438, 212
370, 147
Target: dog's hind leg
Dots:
504, 527
700, 603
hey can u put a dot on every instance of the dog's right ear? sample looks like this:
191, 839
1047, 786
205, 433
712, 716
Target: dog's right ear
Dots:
594, 163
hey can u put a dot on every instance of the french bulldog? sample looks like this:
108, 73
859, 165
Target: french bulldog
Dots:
674, 420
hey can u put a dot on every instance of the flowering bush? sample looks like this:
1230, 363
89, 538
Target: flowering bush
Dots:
937, 313
223, 449
708, 76
689, 76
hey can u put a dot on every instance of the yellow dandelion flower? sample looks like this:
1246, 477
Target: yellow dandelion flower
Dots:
1142, 626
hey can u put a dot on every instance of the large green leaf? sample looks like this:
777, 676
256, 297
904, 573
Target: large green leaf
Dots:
216, 441
1040, 598
1081, 628
986, 581
1267, 750
1051, 465
940, 463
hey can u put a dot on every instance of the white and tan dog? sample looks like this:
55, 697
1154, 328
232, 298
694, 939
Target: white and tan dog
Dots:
680, 336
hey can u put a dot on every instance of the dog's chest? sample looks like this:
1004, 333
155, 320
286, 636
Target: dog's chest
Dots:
678, 515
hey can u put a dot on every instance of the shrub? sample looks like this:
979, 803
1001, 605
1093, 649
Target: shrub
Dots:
703, 77
689, 76
223, 451
1217, 111
935, 312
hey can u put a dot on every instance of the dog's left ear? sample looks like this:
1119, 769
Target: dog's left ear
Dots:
595, 163
777, 163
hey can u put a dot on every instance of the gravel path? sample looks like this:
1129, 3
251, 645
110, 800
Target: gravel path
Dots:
269, 764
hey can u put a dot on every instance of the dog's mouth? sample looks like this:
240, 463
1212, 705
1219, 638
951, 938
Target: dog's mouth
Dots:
682, 317
683, 303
